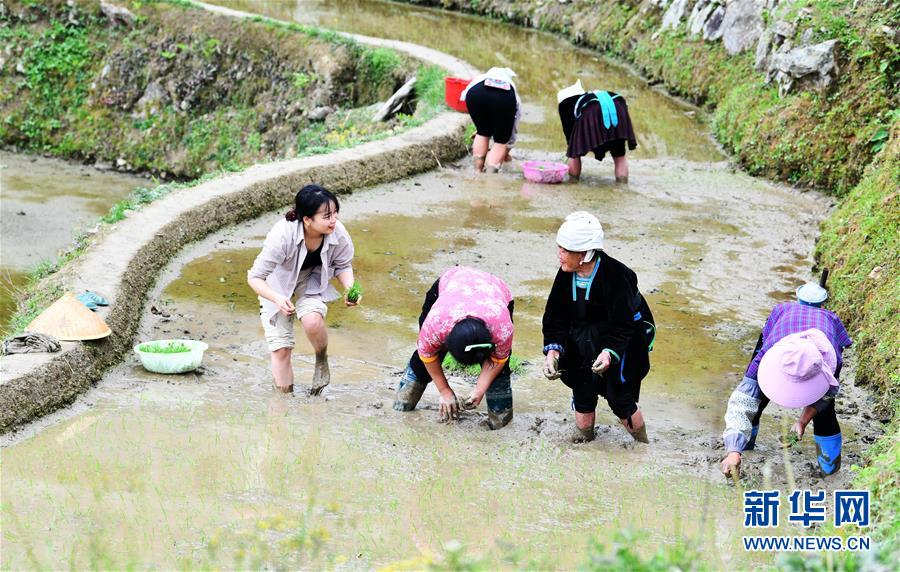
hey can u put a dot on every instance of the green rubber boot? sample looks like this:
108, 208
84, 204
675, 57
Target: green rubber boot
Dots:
409, 391
499, 419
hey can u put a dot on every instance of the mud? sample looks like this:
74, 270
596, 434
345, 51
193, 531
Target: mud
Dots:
213, 469
132, 253
225, 453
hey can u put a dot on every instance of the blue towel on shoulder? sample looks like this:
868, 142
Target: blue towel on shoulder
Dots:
610, 117
607, 106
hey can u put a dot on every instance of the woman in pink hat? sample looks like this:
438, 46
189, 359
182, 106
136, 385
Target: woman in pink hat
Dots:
796, 363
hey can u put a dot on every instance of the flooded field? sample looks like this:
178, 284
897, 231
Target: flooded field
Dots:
35, 190
214, 469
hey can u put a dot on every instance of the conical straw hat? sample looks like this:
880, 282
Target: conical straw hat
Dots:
70, 320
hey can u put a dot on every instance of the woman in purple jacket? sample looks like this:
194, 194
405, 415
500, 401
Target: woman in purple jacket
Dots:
292, 275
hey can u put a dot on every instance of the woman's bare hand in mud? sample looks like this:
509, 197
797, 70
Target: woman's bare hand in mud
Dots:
350, 304
731, 464
551, 365
601, 364
797, 429
448, 406
473, 401
286, 307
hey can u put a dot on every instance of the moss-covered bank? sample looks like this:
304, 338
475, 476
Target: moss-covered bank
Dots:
842, 138
177, 91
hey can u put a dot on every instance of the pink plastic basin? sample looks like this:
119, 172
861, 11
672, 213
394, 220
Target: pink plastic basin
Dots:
544, 171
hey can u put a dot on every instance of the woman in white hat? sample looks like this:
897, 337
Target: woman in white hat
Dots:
595, 122
495, 109
598, 329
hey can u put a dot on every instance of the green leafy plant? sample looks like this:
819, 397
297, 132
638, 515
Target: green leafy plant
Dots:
790, 440
164, 348
301, 79
516, 365
355, 292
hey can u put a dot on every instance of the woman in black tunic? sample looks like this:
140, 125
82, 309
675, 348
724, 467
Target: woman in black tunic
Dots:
598, 329
598, 122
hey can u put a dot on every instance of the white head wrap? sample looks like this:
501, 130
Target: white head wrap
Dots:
568, 91
581, 232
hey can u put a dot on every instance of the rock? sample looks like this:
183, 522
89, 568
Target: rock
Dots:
320, 113
20, 68
742, 25
811, 65
117, 14
712, 30
806, 36
785, 29
699, 16
674, 14
776, 39
761, 61
875, 274
150, 103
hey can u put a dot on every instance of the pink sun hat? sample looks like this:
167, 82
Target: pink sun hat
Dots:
798, 370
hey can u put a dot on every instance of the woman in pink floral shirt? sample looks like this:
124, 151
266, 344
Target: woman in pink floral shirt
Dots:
468, 313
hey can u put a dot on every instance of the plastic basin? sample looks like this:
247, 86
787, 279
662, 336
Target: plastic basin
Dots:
544, 171
453, 87
180, 362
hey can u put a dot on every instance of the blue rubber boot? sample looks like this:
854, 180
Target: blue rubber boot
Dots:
409, 391
751, 444
828, 453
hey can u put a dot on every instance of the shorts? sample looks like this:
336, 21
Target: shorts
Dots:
280, 335
493, 111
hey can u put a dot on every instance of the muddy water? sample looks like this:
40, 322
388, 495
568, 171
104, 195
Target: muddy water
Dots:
35, 190
544, 64
213, 469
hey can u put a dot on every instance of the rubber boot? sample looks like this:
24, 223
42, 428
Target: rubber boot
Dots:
322, 375
499, 419
751, 444
640, 434
580, 435
828, 453
409, 391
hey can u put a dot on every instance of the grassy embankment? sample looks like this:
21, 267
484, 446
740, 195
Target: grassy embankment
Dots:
844, 141
236, 93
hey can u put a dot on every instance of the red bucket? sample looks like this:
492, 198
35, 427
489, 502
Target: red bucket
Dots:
453, 86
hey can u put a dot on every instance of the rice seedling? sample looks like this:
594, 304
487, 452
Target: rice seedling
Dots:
164, 348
